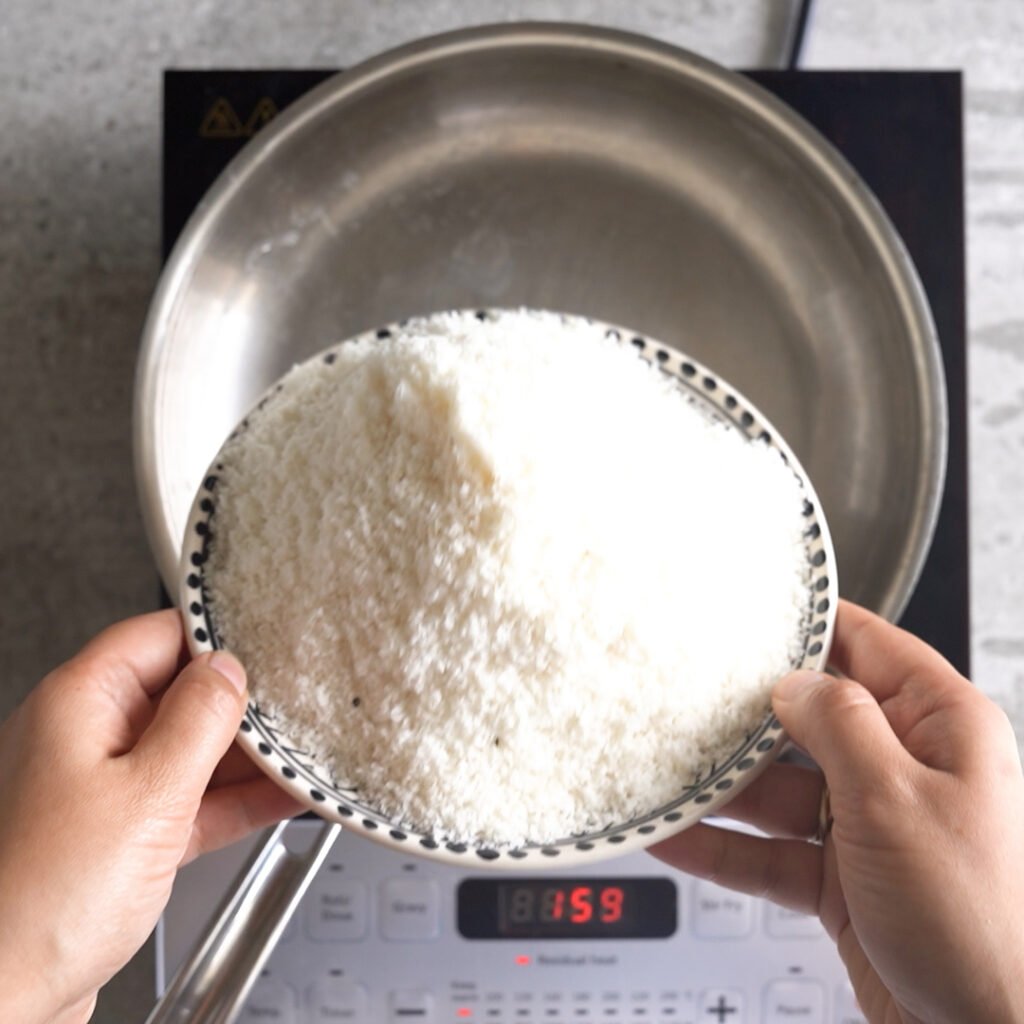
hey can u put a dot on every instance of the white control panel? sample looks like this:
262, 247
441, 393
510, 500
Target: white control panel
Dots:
381, 938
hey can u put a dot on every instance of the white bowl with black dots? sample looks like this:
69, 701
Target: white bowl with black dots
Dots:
265, 737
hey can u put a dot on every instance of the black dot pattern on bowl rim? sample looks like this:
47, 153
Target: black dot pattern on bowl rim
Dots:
705, 793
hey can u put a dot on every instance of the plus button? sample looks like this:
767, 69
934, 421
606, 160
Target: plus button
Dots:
721, 1009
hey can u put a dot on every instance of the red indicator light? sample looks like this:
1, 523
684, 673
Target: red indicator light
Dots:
523, 961
464, 1011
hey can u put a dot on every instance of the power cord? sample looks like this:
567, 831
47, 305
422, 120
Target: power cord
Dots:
797, 34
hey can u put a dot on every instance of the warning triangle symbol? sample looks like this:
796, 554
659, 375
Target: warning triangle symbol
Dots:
264, 111
221, 122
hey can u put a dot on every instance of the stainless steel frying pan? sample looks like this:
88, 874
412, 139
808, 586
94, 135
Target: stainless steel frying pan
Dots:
575, 169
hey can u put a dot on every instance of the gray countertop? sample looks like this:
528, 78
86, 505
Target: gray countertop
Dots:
79, 255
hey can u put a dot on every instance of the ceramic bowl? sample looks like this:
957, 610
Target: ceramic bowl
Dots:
266, 738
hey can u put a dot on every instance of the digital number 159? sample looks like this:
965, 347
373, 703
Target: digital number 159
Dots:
576, 905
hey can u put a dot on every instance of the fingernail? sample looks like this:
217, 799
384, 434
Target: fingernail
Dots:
230, 668
790, 686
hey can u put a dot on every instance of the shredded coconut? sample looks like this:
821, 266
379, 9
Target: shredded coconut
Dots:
503, 577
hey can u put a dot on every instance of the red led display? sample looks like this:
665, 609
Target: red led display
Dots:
559, 908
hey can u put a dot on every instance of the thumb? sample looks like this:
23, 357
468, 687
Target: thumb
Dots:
196, 722
841, 725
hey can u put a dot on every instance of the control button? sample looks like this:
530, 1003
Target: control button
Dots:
410, 910
788, 924
847, 1010
719, 914
336, 910
412, 1006
788, 1001
334, 999
269, 1000
722, 1006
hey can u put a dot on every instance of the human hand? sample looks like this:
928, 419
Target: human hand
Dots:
117, 769
920, 879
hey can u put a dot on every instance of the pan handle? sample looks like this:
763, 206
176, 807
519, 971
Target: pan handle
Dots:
211, 985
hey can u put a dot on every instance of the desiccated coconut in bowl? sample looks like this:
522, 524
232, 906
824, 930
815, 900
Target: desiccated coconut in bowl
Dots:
511, 581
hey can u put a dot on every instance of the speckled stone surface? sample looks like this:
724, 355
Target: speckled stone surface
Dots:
79, 237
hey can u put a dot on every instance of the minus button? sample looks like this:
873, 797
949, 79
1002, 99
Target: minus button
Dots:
412, 1005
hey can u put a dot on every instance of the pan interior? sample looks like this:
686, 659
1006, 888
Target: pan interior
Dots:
561, 177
